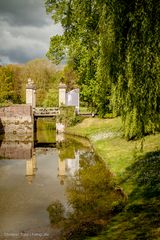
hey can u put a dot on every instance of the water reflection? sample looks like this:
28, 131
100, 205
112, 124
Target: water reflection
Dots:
19, 147
31, 168
92, 194
14, 148
68, 161
32, 176
69, 156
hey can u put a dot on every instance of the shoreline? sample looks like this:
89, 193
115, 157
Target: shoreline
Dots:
106, 139
136, 166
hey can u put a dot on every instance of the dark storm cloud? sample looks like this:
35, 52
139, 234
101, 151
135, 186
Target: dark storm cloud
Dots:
23, 12
25, 30
20, 55
15, 56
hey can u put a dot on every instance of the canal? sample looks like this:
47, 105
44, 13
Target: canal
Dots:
32, 175
54, 173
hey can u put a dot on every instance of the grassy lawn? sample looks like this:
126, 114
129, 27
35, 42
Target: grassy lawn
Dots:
113, 148
92, 126
136, 167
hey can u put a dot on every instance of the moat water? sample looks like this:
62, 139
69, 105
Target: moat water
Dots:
33, 174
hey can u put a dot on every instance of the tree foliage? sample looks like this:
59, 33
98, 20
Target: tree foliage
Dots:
8, 91
94, 198
137, 79
114, 48
79, 41
46, 76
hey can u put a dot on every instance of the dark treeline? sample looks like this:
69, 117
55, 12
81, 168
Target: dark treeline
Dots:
113, 47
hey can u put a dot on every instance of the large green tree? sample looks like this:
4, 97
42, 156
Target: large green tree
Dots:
136, 58
114, 47
79, 43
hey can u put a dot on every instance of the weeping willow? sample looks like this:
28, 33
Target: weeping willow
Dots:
114, 48
137, 82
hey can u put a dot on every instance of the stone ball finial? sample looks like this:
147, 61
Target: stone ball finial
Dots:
30, 81
30, 84
62, 85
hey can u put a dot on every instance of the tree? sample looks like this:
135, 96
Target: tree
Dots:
18, 83
7, 93
79, 41
70, 77
45, 76
114, 48
137, 62
13, 79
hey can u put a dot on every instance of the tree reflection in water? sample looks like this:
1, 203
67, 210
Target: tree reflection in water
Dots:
92, 195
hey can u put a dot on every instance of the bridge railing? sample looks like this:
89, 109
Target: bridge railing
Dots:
40, 111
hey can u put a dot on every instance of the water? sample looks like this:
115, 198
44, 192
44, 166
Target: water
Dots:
32, 175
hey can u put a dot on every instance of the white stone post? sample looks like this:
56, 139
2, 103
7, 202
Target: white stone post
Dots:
77, 106
62, 94
31, 93
34, 98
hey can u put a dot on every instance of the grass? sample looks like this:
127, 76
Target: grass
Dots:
136, 167
84, 110
140, 218
91, 126
115, 151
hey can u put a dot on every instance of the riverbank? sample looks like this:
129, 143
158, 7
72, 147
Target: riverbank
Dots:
136, 166
106, 137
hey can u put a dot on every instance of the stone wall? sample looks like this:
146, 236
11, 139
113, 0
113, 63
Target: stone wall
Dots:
16, 150
16, 119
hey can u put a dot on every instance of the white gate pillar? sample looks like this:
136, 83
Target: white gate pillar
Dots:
31, 93
62, 94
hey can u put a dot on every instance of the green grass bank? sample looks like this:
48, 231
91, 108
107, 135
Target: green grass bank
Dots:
136, 167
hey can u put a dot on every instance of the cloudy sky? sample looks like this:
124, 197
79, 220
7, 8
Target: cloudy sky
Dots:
25, 30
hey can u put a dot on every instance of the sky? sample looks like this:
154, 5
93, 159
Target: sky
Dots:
25, 30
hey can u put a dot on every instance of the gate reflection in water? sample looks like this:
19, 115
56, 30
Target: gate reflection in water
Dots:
32, 176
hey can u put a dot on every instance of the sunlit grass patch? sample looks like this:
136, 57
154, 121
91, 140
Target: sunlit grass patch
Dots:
92, 126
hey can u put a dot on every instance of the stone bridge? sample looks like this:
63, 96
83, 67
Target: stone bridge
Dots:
45, 112
23, 117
